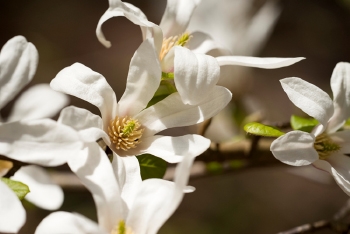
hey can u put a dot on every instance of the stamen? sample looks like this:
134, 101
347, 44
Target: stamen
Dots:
170, 42
125, 133
325, 146
121, 229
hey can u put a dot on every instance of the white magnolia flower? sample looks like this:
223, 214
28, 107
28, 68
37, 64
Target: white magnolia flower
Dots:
187, 67
325, 147
124, 203
131, 127
18, 63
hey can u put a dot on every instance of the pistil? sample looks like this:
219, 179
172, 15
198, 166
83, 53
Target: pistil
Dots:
325, 146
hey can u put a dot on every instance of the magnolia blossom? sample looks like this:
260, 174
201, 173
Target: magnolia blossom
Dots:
131, 126
124, 203
184, 66
327, 146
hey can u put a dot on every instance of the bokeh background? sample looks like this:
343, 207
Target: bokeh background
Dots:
262, 200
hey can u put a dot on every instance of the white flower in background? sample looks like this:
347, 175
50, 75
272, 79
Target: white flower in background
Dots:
178, 60
18, 63
124, 203
131, 127
325, 147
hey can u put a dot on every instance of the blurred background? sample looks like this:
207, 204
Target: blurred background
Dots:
261, 200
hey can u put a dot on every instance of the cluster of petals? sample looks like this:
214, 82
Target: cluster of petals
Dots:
18, 63
194, 72
121, 197
142, 82
300, 148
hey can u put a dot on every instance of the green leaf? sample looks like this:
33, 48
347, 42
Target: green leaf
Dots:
151, 166
262, 130
302, 124
238, 163
165, 89
347, 123
20, 189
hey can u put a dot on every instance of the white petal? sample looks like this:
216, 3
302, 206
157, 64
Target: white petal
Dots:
268, 63
44, 193
158, 199
295, 148
309, 98
42, 142
172, 112
340, 83
342, 138
173, 149
89, 125
195, 75
12, 213
202, 43
95, 171
143, 80
82, 82
39, 101
127, 172
135, 15
18, 62
338, 166
67, 223
177, 16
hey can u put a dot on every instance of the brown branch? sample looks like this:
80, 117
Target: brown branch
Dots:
205, 126
16, 165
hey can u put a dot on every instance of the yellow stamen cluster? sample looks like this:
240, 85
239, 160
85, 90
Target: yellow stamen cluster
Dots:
170, 42
125, 132
121, 229
325, 146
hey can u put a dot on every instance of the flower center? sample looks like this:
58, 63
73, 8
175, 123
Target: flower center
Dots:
170, 42
121, 229
325, 146
125, 133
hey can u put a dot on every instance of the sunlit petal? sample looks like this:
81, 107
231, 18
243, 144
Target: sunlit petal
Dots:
44, 193
172, 112
295, 148
143, 80
39, 101
12, 213
82, 82
18, 62
309, 98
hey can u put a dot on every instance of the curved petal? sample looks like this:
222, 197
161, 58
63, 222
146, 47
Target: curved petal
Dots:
12, 213
127, 172
202, 43
82, 82
340, 84
172, 112
177, 16
158, 199
68, 223
173, 149
338, 166
89, 125
38, 102
44, 193
18, 63
195, 75
94, 169
143, 80
42, 142
342, 138
295, 148
135, 15
267, 63
309, 98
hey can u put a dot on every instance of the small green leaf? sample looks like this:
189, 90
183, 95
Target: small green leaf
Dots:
20, 189
262, 130
165, 89
347, 123
302, 124
151, 166
215, 167
237, 163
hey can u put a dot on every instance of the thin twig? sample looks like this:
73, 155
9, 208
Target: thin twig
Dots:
205, 126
